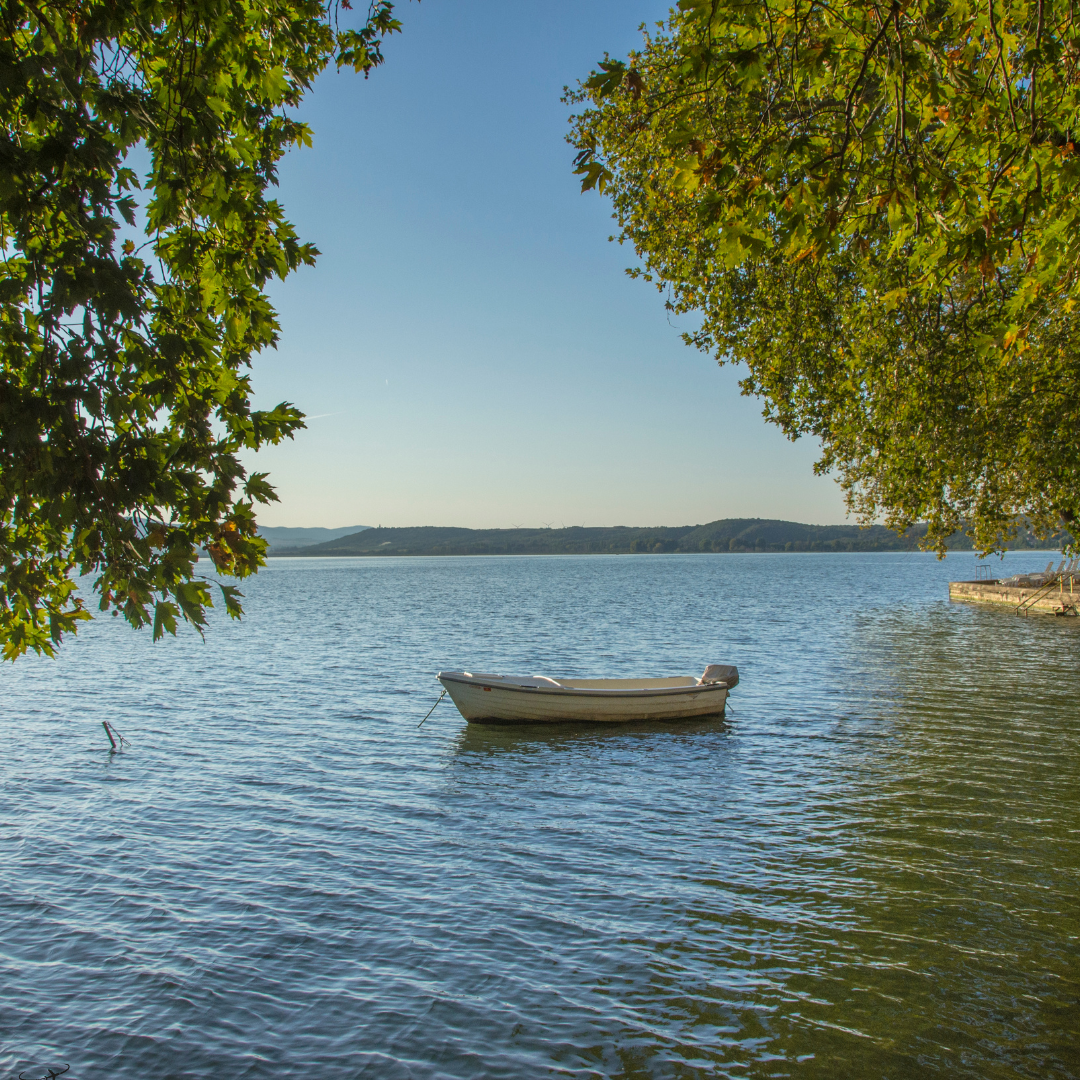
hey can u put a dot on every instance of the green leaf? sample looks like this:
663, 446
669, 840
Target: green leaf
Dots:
232, 596
164, 619
608, 79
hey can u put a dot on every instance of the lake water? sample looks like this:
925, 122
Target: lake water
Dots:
870, 869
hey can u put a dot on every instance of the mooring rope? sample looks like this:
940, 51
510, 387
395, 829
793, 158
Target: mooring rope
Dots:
432, 709
50, 1074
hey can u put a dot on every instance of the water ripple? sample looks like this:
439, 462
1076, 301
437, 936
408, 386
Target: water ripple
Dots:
871, 868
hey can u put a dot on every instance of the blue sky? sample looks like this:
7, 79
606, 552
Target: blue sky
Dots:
469, 348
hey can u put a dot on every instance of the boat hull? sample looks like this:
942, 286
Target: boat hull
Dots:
490, 702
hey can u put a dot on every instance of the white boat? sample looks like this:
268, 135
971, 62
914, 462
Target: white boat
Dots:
538, 699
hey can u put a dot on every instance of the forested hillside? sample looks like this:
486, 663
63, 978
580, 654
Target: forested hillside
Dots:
283, 537
730, 534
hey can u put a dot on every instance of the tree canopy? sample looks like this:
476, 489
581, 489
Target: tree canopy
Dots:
132, 302
874, 207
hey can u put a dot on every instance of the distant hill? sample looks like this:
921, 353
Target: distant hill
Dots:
283, 537
730, 534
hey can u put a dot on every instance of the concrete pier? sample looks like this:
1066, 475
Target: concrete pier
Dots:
1062, 599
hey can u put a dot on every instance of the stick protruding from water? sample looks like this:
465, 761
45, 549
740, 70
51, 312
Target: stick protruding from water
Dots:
111, 731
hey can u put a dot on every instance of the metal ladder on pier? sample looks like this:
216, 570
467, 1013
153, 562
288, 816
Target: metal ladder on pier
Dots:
1067, 608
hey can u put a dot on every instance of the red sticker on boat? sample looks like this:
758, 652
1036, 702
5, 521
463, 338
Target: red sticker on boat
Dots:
487, 687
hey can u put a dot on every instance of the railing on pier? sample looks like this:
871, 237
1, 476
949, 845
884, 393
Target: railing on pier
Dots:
1057, 582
